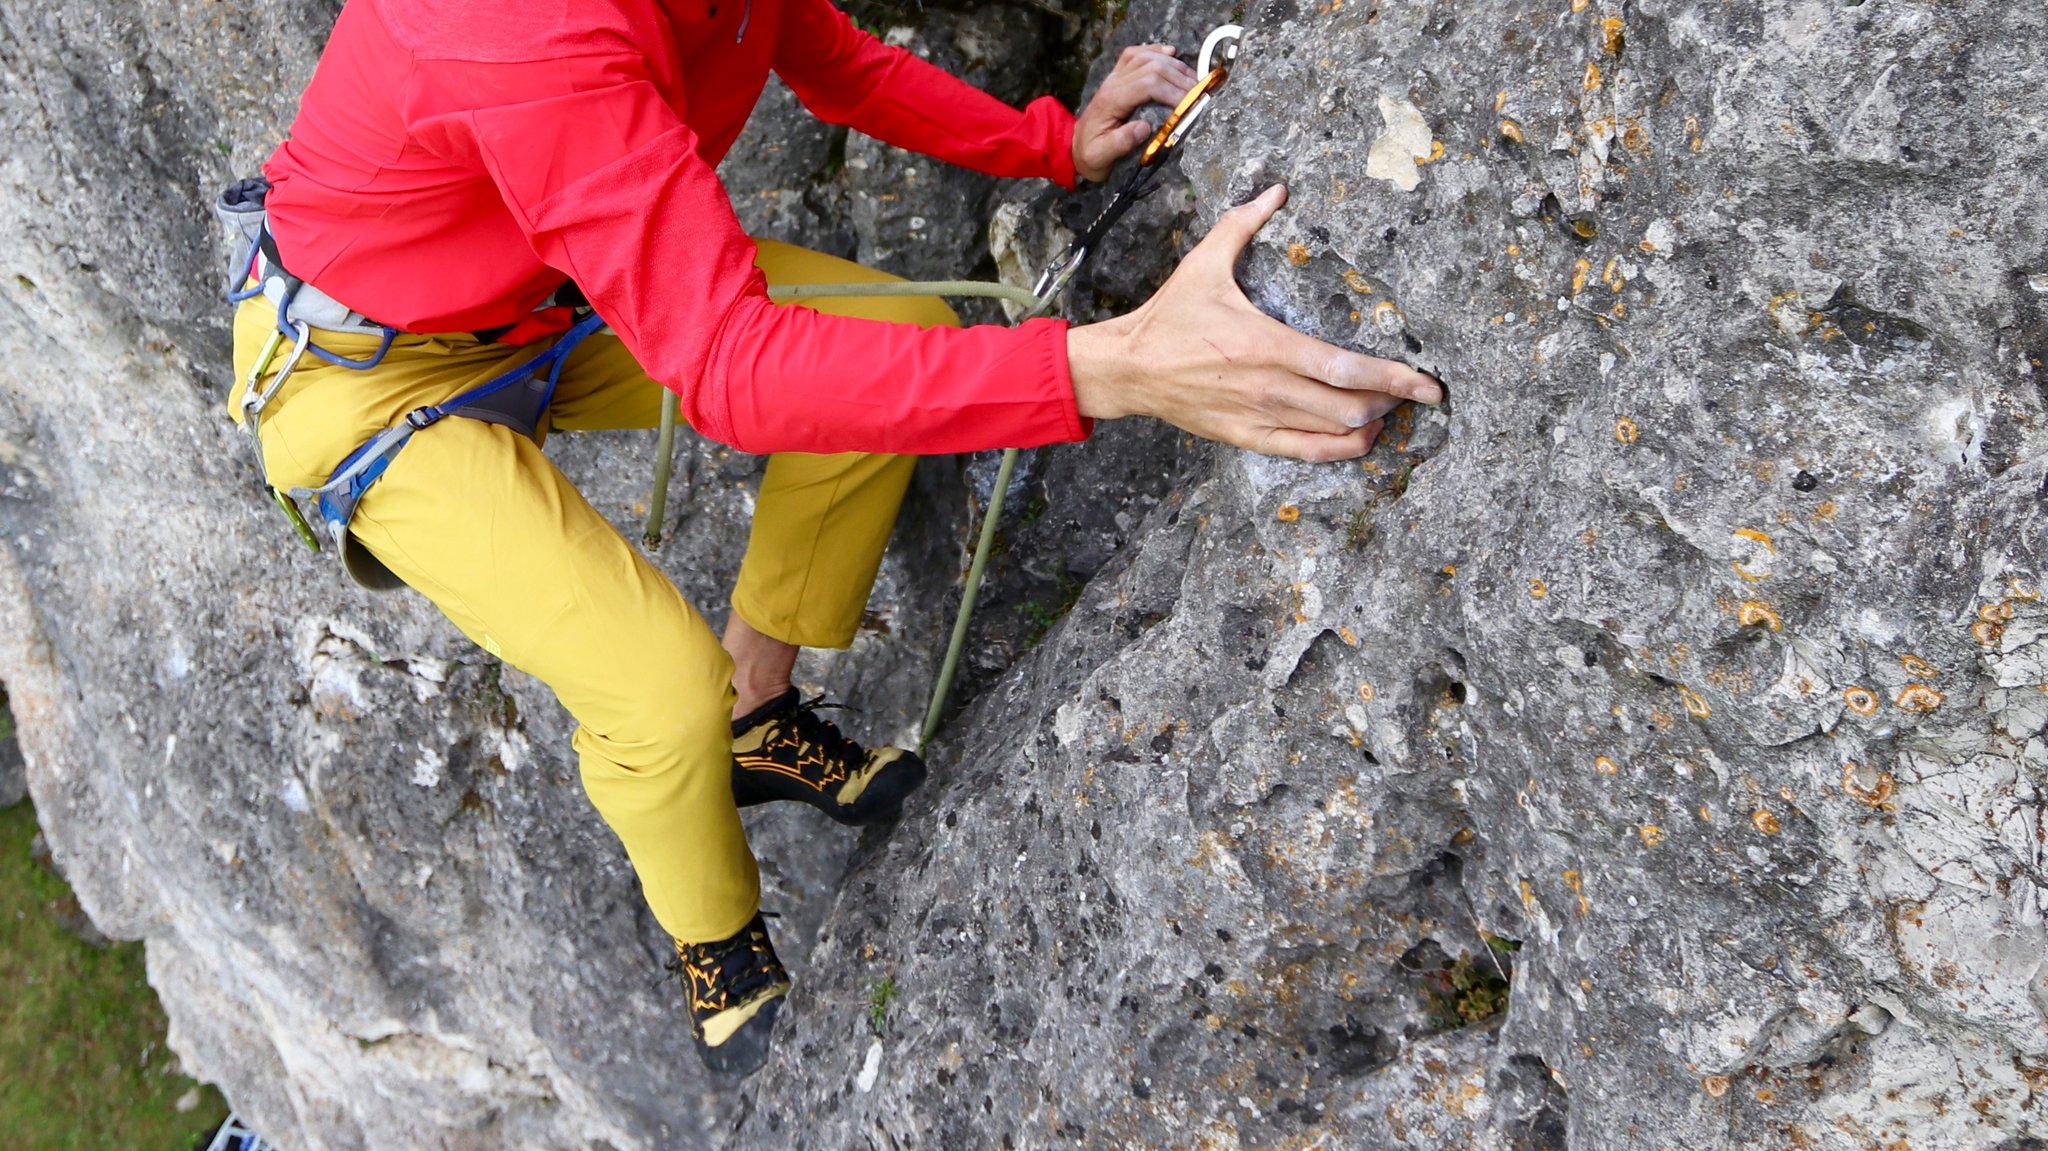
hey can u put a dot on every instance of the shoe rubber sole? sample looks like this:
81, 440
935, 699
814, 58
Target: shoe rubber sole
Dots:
745, 1050
884, 795
881, 799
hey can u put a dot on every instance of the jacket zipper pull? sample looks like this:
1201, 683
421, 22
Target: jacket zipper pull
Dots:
746, 14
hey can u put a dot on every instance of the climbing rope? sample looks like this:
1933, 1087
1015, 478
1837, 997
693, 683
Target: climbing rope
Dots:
1139, 182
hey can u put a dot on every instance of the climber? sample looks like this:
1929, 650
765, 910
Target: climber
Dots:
463, 175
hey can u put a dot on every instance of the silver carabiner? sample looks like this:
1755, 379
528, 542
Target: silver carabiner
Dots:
254, 401
1057, 276
1223, 39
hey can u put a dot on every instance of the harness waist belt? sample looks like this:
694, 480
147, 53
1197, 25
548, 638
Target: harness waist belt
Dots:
310, 305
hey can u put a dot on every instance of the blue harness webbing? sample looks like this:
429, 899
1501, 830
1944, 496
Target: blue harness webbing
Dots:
517, 398
497, 401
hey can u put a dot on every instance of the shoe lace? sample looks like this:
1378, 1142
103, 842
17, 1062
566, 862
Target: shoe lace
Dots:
807, 728
733, 969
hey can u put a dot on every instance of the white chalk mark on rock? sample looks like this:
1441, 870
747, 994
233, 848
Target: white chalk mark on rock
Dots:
1405, 141
870, 1069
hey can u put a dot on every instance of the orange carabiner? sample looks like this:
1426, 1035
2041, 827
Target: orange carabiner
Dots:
1169, 132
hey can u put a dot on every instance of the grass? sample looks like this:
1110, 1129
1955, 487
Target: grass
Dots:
880, 997
82, 1057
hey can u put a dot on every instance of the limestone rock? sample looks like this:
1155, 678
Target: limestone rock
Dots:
1644, 749
1678, 670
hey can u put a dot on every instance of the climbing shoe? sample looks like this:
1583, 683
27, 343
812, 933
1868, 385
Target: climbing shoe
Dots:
783, 750
736, 987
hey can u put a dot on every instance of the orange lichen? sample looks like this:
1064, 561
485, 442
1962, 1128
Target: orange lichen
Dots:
2000, 612
1918, 697
1625, 431
1755, 612
1512, 131
1715, 1085
1650, 834
1611, 275
1611, 38
1860, 700
1987, 633
1914, 665
1765, 822
1538, 589
1297, 254
1604, 765
1695, 704
1759, 537
1366, 693
1592, 79
1287, 513
1876, 795
1573, 880
1436, 152
2023, 591
1356, 281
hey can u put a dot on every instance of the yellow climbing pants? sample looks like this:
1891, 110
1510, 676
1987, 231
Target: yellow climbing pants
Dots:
476, 518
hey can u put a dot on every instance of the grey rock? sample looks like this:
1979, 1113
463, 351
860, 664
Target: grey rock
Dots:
13, 776
1644, 749
1688, 647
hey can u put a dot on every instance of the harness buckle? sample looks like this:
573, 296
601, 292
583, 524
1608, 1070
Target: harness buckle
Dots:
420, 419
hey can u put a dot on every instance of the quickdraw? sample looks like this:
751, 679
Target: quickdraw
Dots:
1219, 52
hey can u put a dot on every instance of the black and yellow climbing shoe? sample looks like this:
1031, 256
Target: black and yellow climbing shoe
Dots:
783, 750
736, 987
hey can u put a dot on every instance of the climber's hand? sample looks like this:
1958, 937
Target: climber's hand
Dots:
1200, 356
1109, 127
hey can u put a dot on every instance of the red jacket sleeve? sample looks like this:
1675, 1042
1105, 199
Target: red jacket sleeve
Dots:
605, 182
846, 76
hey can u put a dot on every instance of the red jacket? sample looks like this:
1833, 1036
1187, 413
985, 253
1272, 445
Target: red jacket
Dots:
452, 162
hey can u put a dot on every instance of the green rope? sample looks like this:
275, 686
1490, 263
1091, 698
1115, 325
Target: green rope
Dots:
983, 544
664, 463
958, 643
982, 288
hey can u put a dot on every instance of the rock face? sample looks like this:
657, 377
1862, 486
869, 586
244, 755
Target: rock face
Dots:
1643, 750
1685, 667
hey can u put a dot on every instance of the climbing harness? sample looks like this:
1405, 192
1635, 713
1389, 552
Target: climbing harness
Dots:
517, 398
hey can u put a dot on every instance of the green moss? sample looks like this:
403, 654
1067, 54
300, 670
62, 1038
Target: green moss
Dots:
1043, 614
1470, 990
82, 1056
